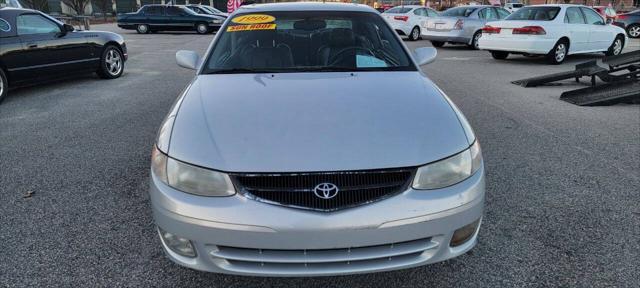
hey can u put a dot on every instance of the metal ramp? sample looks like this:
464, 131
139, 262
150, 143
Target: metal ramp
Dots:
622, 59
621, 81
590, 68
626, 91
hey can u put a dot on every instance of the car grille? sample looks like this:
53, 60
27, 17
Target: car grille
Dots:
298, 189
324, 261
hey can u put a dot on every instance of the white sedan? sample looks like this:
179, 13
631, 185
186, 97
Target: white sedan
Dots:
554, 31
406, 19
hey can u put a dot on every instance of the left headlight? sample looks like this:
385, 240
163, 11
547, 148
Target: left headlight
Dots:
190, 179
450, 171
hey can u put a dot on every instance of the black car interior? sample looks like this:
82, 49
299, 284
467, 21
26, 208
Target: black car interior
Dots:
308, 43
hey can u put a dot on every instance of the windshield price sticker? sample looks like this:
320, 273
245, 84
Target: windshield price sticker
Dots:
252, 27
253, 19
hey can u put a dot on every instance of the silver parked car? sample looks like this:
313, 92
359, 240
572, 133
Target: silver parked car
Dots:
461, 25
286, 157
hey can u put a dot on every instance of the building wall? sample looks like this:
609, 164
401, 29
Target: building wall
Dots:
54, 6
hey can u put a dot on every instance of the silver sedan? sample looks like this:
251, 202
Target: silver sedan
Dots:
286, 157
461, 25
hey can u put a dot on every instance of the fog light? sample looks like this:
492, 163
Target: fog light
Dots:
177, 244
463, 234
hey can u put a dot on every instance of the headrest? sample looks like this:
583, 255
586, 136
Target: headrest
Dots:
265, 38
342, 37
541, 15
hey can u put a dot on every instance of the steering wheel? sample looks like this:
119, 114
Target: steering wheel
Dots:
338, 56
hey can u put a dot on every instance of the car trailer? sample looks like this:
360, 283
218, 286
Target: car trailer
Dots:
621, 81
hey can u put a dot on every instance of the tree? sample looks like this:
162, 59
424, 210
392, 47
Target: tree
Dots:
40, 5
105, 6
77, 6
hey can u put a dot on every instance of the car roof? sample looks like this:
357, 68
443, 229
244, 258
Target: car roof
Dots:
14, 9
558, 5
13, 12
475, 6
409, 6
167, 5
305, 6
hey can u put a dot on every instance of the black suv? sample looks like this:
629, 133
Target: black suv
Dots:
153, 18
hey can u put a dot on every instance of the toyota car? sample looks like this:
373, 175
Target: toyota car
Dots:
285, 157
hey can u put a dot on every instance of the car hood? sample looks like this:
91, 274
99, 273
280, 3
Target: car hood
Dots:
294, 122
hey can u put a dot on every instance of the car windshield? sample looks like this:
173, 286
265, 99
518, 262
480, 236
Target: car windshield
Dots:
459, 12
517, 5
398, 10
305, 41
535, 14
214, 10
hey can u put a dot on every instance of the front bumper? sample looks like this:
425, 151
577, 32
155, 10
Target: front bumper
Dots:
452, 36
517, 45
236, 235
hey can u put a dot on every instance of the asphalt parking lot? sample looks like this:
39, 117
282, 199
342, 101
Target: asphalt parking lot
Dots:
562, 203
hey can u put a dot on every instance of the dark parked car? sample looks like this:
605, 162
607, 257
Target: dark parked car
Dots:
36, 47
207, 10
153, 18
630, 22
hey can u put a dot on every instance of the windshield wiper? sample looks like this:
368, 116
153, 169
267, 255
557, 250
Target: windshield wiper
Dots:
240, 71
327, 69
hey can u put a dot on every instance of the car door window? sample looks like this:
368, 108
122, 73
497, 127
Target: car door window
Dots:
28, 24
488, 14
432, 13
174, 11
482, 13
418, 12
592, 17
153, 11
573, 16
502, 13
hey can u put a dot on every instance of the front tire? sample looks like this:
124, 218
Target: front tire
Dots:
142, 28
633, 31
202, 28
4, 85
616, 47
415, 34
437, 44
111, 63
499, 55
558, 53
474, 41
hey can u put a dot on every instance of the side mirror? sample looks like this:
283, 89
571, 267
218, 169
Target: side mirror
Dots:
188, 59
425, 55
609, 21
67, 28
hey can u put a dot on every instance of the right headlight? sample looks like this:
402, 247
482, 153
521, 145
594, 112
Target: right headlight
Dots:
188, 178
450, 171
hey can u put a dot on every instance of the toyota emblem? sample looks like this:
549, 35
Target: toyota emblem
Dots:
326, 190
